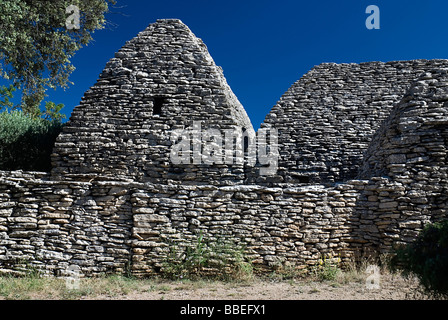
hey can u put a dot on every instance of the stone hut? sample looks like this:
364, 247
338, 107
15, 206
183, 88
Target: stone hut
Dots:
411, 146
362, 167
162, 80
326, 120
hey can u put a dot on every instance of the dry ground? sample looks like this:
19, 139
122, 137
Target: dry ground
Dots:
391, 288
344, 287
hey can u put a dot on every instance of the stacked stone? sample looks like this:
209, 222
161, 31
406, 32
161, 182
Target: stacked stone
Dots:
51, 225
413, 140
277, 226
326, 119
107, 226
116, 202
411, 149
110, 226
163, 79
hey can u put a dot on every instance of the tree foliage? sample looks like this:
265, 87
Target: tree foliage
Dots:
26, 143
52, 111
6, 93
427, 258
36, 46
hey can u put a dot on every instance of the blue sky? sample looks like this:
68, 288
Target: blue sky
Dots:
264, 46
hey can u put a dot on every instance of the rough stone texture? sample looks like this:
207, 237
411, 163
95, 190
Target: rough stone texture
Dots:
110, 226
51, 225
411, 144
114, 202
116, 132
327, 118
410, 148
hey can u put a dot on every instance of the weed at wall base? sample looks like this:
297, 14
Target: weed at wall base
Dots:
221, 259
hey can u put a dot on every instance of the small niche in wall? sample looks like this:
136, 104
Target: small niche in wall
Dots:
158, 104
245, 140
303, 179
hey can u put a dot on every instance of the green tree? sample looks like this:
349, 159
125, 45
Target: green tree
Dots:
36, 45
53, 112
427, 258
6, 93
26, 143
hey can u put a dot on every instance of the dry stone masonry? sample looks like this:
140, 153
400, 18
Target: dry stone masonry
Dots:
362, 167
327, 118
162, 80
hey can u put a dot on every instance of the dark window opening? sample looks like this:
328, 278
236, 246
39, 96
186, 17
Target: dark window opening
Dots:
157, 106
157, 269
245, 140
303, 179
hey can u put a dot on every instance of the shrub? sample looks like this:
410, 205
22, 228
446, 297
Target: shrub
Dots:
26, 143
218, 259
328, 268
427, 259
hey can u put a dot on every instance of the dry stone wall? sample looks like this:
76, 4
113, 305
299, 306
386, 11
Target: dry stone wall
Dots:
50, 225
411, 149
110, 226
115, 201
327, 119
411, 144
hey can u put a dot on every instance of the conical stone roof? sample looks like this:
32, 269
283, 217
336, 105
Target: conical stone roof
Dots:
411, 146
326, 120
161, 80
411, 149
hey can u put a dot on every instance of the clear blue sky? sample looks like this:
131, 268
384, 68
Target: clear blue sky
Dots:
264, 46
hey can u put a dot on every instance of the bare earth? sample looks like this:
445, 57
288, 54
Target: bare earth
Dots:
391, 288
